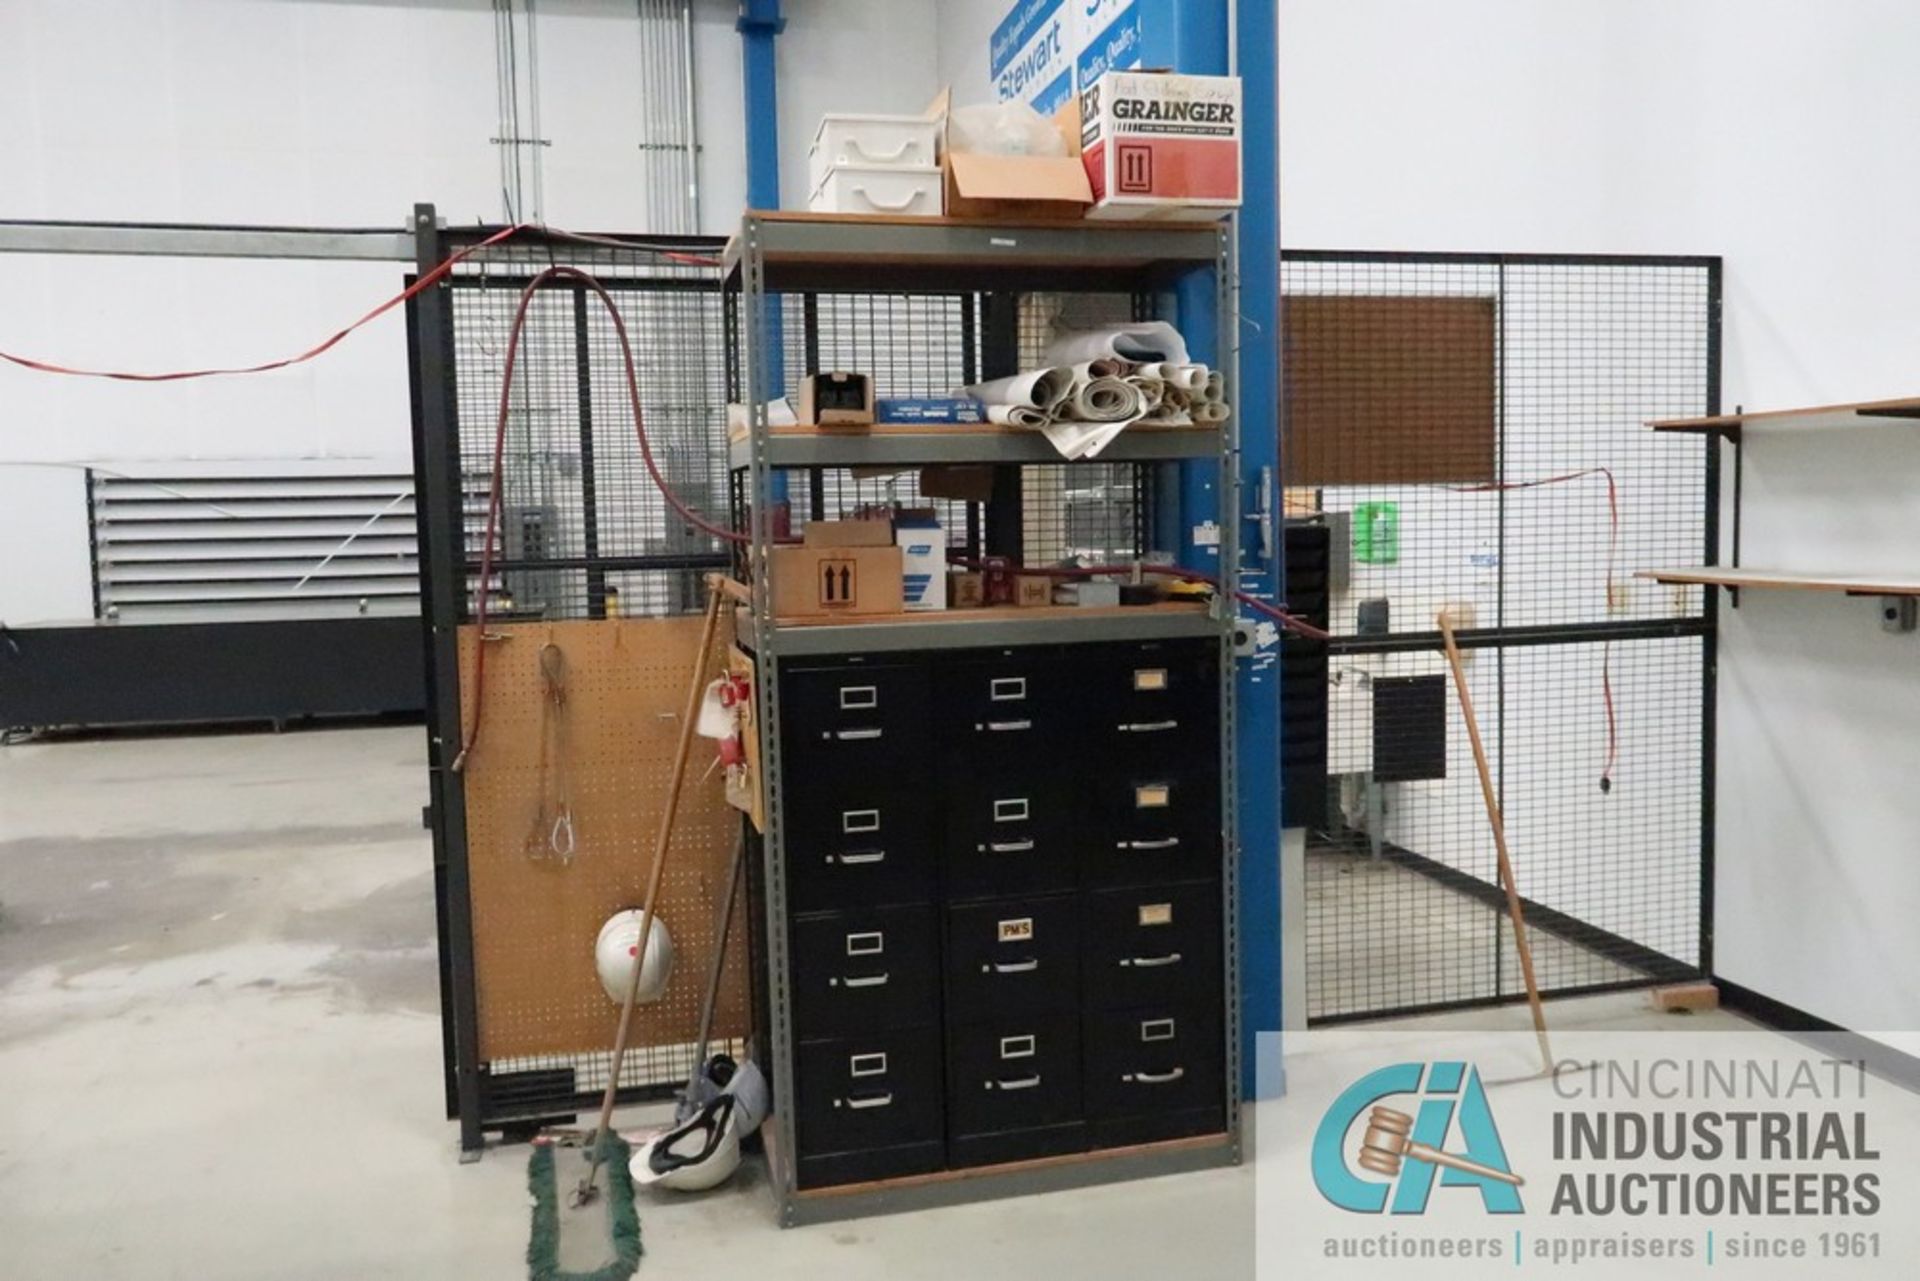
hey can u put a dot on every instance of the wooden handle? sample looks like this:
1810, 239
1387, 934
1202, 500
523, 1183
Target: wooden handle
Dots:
662, 839
1499, 838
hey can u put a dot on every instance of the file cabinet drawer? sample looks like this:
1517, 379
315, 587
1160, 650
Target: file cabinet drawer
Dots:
1011, 703
859, 846
872, 1090
1013, 956
1010, 832
1153, 944
857, 971
855, 721
1013, 1089
1159, 1068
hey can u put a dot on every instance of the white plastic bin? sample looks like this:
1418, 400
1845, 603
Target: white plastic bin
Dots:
872, 142
907, 192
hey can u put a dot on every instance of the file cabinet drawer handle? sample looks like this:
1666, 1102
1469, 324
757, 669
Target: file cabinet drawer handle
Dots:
1164, 843
857, 735
1146, 727
858, 858
1016, 1083
1011, 847
1013, 967
865, 980
1155, 1078
1151, 962
878, 1099
1008, 727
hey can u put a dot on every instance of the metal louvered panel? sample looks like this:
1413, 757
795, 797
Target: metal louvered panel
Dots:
283, 544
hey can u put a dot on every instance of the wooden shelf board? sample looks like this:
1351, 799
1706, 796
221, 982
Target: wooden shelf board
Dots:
1818, 416
995, 614
1851, 583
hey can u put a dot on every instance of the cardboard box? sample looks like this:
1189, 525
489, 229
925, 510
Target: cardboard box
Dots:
966, 589
930, 409
963, 482
834, 400
811, 581
923, 559
1031, 590
863, 532
1012, 188
1158, 145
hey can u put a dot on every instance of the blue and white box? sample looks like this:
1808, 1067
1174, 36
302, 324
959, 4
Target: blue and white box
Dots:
932, 410
923, 559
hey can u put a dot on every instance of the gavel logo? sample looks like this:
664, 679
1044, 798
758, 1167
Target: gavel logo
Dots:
1388, 1141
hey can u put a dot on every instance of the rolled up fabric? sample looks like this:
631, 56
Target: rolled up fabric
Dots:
1017, 416
1192, 378
1036, 388
1216, 386
1104, 400
1152, 389
1211, 411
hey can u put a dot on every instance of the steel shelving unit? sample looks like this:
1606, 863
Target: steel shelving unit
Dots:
774, 254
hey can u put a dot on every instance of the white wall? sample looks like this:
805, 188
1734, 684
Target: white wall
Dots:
330, 113
1779, 135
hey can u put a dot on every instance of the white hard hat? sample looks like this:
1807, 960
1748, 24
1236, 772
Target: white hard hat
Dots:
613, 955
692, 1157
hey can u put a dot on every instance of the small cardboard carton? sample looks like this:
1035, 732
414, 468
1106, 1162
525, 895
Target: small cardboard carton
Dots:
1032, 590
860, 532
1159, 145
966, 589
1012, 188
834, 400
812, 581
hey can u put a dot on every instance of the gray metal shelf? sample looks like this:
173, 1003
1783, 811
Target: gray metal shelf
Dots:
825, 252
968, 629
963, 445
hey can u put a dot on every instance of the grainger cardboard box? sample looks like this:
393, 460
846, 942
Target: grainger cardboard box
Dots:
1157, 145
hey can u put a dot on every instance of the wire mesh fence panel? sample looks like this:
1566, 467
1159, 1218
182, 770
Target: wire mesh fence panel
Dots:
1472, 431
583, 531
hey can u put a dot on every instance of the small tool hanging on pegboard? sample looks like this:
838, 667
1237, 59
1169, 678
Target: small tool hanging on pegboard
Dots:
551, 835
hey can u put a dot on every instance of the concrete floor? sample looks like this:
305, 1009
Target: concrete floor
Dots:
1381, 936
220, 1052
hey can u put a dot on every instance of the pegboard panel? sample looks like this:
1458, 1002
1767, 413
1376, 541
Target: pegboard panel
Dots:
535, 916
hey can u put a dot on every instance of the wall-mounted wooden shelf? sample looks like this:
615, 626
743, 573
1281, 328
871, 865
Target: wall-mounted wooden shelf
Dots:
1850, 584
1862, 413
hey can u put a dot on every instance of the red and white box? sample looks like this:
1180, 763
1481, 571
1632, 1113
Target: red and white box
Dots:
1157, 145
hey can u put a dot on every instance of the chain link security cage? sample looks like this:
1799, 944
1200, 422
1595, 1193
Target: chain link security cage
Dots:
1471, 431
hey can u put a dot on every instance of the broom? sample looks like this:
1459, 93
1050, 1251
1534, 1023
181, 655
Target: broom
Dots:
1499, 839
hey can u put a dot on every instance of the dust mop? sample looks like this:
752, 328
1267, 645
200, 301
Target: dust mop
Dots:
604, 1147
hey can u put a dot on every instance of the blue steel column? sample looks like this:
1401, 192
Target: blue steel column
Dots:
1191, 36
759, 22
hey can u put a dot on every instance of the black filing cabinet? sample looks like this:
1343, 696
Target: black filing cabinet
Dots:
1005, 912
